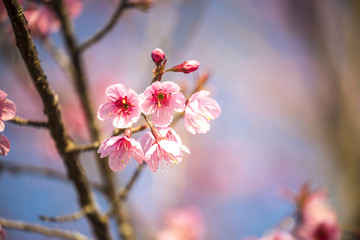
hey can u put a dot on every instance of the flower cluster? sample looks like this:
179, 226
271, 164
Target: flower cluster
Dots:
7, 112
160, 100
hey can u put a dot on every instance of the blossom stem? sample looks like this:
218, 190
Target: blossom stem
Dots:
27, 122
72, 217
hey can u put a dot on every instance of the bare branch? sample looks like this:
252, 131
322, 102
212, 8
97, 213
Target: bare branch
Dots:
107, 28
67, 218
36, 228
27, 122
15, 168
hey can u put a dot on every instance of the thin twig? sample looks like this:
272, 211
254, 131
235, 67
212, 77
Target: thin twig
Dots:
107, 28
119, 131
67, 218
124, 192
58, 55
27, 122
37, 228
15, 168
89, 147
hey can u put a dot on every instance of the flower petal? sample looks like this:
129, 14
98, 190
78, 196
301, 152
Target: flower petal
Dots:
4, 145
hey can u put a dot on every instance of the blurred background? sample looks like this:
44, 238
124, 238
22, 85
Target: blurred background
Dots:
285, 73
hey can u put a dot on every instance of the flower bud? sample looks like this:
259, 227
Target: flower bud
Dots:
186, 67
158, 56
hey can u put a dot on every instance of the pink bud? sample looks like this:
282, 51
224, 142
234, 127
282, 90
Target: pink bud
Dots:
186, 67
158, 56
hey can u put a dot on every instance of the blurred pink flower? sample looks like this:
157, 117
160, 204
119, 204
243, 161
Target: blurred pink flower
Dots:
162, 98
7, 110
183, 224
158, 56
186, 67
198, 112
122, 106
278, 235
42, 20
2, 233
318, 220
166, 146
120, 149
4, 145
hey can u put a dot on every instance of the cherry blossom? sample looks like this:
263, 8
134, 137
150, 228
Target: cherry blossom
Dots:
166, 145
183, 224
122, 106
2, 233
319, 221
42, 20
158, 56
7, 110
4, 145
120, 149
186, 67
200, 109
161, 99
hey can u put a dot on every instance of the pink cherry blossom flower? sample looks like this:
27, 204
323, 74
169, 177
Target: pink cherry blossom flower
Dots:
7, 109
186, 67
166, 145
319, 221
158, 56
120, 149
183, 224
42, 20
122, 106
161, 99
199, 110
278, 235
4, 145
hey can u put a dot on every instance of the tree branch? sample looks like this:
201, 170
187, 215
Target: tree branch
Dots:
15, 168
23, 121
72, 217
124, 192
36, 228
107, 28
57, 129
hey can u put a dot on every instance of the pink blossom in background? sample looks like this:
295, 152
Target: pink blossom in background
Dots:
183, 224
158, 56
278, 235
2, 233
42, 20
186, 67
318, 220
122, 106
7, 110
4, 145
161, 99
120, 149
199, 110
166, 147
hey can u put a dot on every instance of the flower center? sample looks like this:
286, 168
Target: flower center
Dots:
160, 96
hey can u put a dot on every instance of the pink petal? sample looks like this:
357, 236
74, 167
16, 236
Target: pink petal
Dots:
137, 151
151, 158
2, 126
163, 116
170, 147
170, 86
3, 95
105, 111
4, 145
119, 160
121, 122
7, 110
115, 91
178, 102
146, 141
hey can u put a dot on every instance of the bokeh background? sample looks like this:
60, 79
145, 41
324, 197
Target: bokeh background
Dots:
285, 73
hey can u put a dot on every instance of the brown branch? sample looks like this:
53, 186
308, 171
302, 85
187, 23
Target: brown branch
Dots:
27, 122
36, 228
57, 129
72, 217
107, 28
15, 168
82, 90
